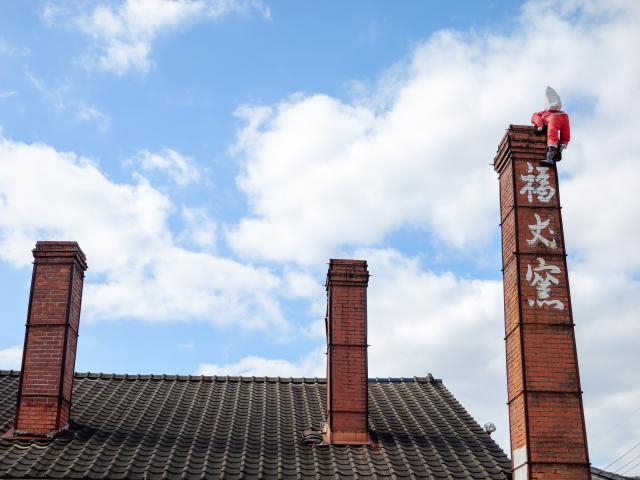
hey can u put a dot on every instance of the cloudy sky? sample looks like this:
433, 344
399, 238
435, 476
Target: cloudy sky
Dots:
210, 157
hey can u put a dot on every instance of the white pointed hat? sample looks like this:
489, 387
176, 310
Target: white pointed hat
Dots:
552, 99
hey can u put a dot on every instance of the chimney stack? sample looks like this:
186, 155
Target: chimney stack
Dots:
49, 354
546, 417
347, 377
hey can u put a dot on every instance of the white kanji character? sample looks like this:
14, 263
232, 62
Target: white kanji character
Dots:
536, 231
543, 190
543, 284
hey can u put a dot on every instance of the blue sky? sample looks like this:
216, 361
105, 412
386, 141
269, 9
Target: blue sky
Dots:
199, 76
210, 157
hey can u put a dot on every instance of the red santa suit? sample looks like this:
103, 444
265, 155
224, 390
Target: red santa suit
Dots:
557, 121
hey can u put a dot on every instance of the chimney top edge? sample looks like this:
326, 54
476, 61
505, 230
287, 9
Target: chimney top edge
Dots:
346, 261
54, 249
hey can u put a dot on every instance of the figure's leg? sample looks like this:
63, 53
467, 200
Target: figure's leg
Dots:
558, 156
552, 153
552, 130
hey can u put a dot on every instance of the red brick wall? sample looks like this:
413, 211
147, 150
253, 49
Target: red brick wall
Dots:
44, 395
347, 392
548, 438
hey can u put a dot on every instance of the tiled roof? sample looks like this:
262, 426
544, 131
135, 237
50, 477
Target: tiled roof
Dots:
158, 426
597, 473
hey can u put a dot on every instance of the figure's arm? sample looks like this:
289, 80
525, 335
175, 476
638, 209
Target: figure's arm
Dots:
537, 120
565, 132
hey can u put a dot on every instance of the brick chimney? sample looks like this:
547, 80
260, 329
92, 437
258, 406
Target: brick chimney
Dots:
49, 355
347, 387
546, 417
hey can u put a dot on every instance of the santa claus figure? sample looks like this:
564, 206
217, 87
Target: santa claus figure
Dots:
556, 123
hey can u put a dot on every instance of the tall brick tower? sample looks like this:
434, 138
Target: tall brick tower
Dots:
546, 417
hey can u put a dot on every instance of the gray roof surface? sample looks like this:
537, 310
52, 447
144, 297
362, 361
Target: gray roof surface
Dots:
159, 426
598, 473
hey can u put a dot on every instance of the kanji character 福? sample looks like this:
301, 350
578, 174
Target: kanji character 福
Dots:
537, 184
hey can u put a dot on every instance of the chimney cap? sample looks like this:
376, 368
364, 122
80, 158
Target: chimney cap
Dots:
346, 261
49, 249
347, 272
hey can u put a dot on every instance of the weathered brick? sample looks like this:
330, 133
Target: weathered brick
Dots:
545, 401
347, 282
44, 394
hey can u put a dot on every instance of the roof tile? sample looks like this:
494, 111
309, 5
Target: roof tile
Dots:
183, 426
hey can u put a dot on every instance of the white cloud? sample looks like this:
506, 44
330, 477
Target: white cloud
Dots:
179, 169
11, 358
453, 327
55, 95
421, 322
124, 33
200, 229
59, 99
415, 152
311, 365
8, 93
308, 285
88, 113
136, 269
303, 284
